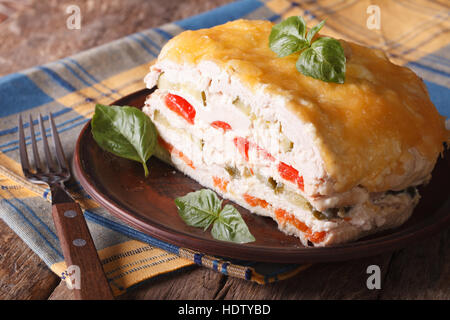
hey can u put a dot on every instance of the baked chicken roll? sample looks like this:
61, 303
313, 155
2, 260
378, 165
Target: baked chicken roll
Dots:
328, 162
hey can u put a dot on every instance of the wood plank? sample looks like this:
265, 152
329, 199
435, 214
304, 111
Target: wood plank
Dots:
421, 271
61, 292
198, 283
22, 273
25, 36
339, 280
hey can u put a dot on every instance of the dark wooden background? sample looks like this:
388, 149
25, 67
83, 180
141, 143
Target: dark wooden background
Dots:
34, 32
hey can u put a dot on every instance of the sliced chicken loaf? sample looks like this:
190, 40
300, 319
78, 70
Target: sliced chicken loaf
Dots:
210, 156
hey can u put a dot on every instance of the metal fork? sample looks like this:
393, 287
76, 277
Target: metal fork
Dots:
83, 265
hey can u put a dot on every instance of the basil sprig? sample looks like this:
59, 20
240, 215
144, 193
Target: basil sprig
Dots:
203, 208
124, 131
323, 59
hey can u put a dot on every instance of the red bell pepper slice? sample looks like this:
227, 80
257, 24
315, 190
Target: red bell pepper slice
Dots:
290, 174
181, 107
254, 202
221, 125
242, 145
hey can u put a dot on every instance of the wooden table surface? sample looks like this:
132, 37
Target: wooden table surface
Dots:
34, 32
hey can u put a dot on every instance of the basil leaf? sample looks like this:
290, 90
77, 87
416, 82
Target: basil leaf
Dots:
199, 208
288, 36
124, 131
203, 208
324, 60
231, 227
312, 32
286, 45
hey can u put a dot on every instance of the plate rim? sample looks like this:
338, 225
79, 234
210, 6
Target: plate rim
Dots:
347, 251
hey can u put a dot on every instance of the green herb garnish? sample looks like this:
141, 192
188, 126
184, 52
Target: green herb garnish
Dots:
203, 208
323, 59
126, 132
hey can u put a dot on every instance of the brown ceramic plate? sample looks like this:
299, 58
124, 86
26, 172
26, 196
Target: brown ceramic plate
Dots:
148, 205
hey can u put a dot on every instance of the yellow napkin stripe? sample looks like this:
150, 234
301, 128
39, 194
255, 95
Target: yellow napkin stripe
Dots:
129, 263
123, 83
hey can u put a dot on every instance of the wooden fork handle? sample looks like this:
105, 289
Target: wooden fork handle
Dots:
84, 269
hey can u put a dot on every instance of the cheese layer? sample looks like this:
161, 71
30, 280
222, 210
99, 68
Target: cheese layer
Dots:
365, 128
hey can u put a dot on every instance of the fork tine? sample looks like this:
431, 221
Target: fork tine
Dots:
59, 150
46, 148
23, 148
36, 157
